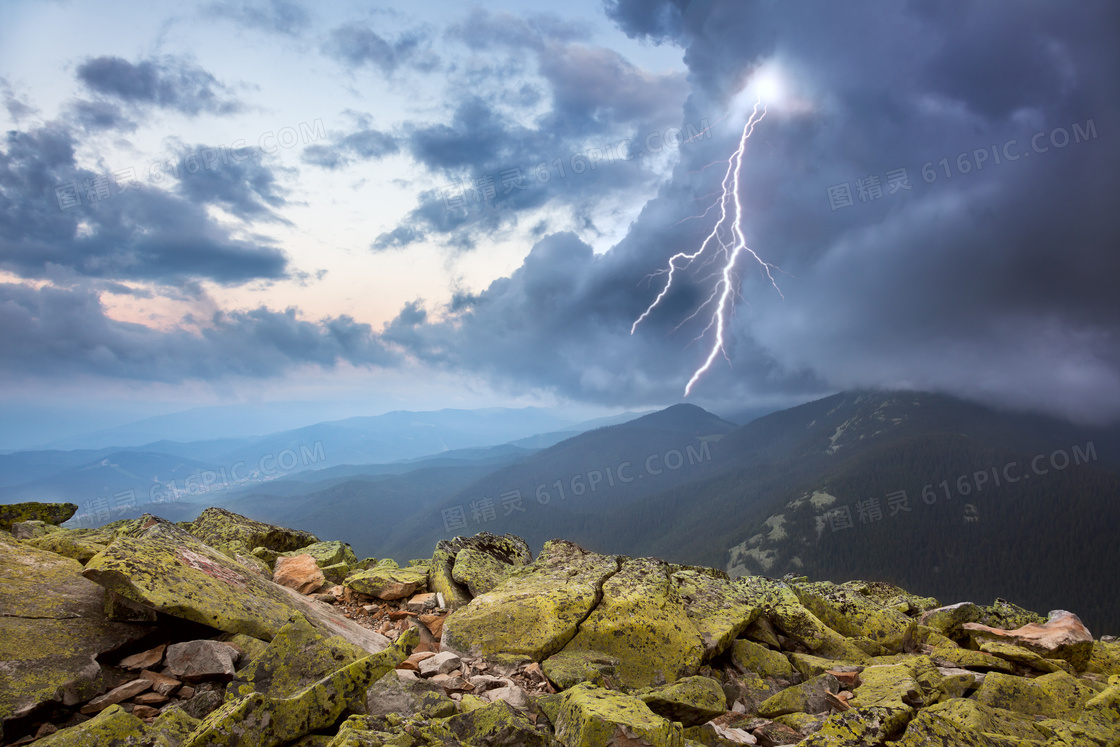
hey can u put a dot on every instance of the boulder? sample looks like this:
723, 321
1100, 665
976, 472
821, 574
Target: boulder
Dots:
324, 553
859, 727
537, 610
593, 717
495, 724
390, 695
850, 613
161, 566
1056, 695
298, 656
483, 561
1062, 636
691, 701
195, 661
887, 686
266, 721
52, 628
962, 721
112, 726
299, 572
48, 513
234, 534
568, 668
25, 530
388, 582
808, 697
641, 611
749, 656
719, 608
76, 544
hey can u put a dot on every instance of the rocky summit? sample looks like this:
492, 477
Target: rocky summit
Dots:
226, 631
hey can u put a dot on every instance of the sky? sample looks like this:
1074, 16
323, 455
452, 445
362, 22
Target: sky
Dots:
390, 206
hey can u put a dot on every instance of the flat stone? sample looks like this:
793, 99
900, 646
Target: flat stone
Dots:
116, 695
48, 513
441, 663
145, 659
150, 699
234, 534
161, 683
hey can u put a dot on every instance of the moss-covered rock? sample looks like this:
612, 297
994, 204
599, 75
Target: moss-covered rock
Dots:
967, 722
25, 530
52, 626
1019, 655
809, 666
75, 544
859, 727
337, 573
850, 613
497, 723
440, 580
161, 566
808, 697
297, 656
1056, 695
113, 727
691, 700
754, 657
569, 668
720, 609
887, 686
264, 721
536, 611
640, 612
234, 534
48, 513
388, 582
593, 717
326, 553
483, 561
965, 658
792, 618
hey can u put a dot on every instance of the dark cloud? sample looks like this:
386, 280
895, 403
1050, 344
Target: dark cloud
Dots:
19, 108
117, 231
165, 82
247, 188
656, 20
361, 145
94, 116
400, 236
495, 163
994, 282
58, 333
274, 16
357, 45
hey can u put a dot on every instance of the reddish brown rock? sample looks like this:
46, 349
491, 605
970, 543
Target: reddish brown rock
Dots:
161, 683
299, 572
145, 659
116, 695
1062, 636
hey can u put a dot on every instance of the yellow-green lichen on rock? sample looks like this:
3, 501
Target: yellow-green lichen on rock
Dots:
537, 609
52, 626
719, 608
325, 553
850, 613
808, 697
690, 700
888, 686
496, 723
388, 581
973, 723
568, 668
234, 534
113, 727
859, 727
48, 513
792, 618
1055, 695
76, 544
161, 566
264, 721
754, 657
297, 656
640, 612
594, 717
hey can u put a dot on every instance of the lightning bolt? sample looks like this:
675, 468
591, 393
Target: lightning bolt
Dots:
727, 242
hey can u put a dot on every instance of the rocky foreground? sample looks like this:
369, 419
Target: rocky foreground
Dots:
225, 631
